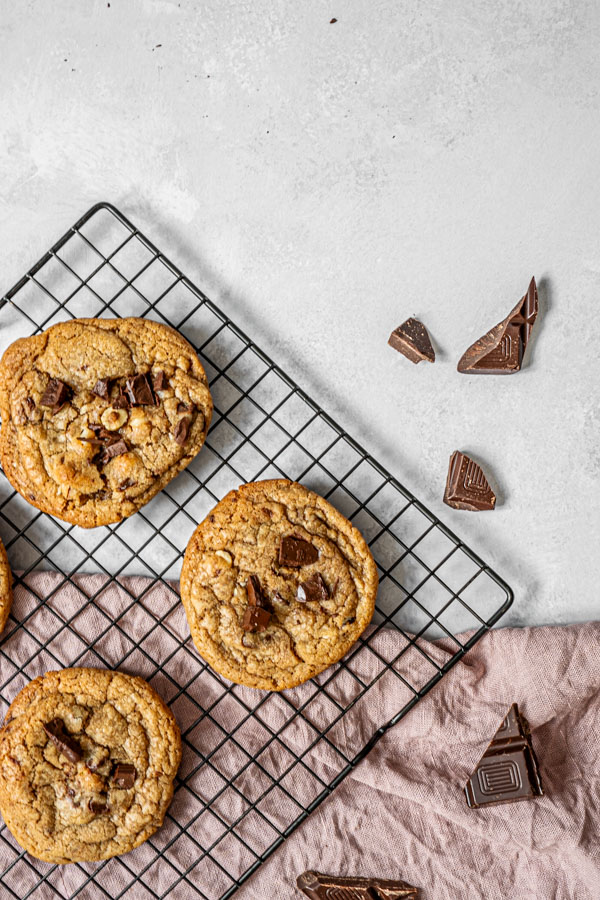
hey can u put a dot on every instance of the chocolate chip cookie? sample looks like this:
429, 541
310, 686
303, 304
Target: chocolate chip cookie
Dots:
277, 585
6, 596
98, 415
87, 762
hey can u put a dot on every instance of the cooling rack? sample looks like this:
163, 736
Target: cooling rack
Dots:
255, 764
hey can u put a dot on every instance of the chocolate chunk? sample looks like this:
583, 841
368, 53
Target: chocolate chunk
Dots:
124, 776
466, 485
160, 382
254, 591
56, 394
121, 402
181, 431
255, 618
139, 392
314, 588
412, 340
106, 436
329, 887
63, 741
29, 405
102, 388
185, 407
500, 351
508, 770
97, 807
118, 448
296, 552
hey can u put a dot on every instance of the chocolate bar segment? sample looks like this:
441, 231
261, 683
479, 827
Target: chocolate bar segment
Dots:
412, 340
329, 887
508, 770
466, 485
500, 351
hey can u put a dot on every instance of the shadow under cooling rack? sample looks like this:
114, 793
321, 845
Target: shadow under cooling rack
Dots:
255, 764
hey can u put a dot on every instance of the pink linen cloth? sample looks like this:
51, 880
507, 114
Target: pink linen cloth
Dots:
400, 813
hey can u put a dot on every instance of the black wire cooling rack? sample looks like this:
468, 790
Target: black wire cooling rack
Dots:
255, 764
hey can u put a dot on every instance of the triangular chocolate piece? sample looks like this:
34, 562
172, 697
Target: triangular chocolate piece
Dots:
466, 485
508, 770
330, 887
412, 340
500, 351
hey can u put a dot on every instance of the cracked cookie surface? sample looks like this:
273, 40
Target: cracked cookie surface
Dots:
6, 596
98, 415
277, 585
87, 762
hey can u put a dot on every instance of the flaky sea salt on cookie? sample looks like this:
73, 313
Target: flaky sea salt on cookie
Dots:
98, 415
277, 585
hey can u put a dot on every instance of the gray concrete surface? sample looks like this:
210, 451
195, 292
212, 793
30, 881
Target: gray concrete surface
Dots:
323, 182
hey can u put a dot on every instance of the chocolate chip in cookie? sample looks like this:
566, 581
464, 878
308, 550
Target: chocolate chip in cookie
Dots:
254, 591
160, 382
56, 394
181, 431
296, 552
102, 388
124, 776
121, 402
314, 588
138, 391
63, 742
256, 618
97, 807
117, 448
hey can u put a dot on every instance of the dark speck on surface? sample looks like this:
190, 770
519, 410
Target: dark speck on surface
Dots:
333, 21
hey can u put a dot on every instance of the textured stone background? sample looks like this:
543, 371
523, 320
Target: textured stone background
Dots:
324, 182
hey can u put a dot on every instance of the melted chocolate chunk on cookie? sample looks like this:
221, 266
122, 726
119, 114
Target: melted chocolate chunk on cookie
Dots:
296, 552
102, 388
64, 743
314, 588
181, 431
118, 448
256, 618
124, 776
121, 402
160, 382
139, 392
254, 591
97, 807
56, 394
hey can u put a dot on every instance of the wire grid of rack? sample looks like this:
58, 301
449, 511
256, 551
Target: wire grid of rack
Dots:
285, 753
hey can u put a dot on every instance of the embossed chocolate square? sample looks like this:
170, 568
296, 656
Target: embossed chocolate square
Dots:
508, 770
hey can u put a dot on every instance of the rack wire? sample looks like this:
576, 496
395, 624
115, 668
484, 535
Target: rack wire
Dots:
255, 764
